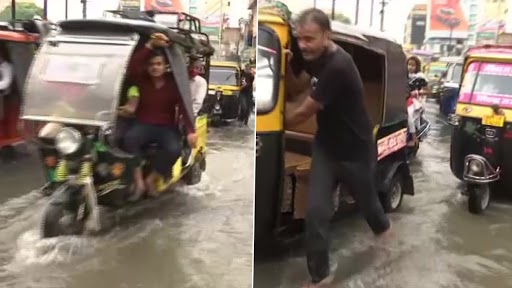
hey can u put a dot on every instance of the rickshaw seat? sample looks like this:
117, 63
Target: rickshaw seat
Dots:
292, 161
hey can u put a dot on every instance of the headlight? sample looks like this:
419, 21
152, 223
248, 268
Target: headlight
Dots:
476, 166
68, 140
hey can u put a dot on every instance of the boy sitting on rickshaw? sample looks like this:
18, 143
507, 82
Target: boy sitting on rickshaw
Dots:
153, 100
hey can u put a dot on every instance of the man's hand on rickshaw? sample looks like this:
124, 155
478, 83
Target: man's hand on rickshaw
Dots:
126, 111
158, 40
289, 54
414, 140
192, 140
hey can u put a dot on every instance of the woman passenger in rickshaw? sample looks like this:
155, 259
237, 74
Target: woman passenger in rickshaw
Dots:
414, 69
155, 114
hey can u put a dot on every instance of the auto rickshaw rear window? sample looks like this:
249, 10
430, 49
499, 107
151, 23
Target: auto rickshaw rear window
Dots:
223, 76
60, 68
487, 84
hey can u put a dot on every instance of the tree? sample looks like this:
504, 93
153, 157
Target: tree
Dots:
24, 11
342, 18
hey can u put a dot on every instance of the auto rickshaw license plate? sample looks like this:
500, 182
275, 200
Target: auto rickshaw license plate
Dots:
494, 120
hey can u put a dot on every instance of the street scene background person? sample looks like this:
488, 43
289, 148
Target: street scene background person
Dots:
343, 148
198, 85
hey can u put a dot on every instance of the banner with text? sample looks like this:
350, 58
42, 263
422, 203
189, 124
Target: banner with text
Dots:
446, 17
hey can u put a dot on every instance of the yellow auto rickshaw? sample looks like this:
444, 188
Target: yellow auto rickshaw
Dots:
480, 153
283, 155
222, 102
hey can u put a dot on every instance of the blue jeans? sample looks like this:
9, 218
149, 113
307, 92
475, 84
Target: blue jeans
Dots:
167, 138
325, 175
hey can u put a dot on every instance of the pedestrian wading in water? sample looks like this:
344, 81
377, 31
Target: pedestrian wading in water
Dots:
341, 153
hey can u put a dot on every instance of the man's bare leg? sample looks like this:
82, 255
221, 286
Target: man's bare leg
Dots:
150, 184
139, 185
324, 283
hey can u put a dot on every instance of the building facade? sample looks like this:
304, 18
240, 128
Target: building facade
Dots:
492, 21
415, 26
471, 9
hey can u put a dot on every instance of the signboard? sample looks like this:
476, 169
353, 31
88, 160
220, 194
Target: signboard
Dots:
445, 17
164, 5
418, 29
391, 143
129, 5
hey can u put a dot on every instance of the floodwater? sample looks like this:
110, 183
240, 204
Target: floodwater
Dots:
199, 236
437, 242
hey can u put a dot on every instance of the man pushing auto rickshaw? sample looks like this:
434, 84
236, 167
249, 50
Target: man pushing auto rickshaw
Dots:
344, 152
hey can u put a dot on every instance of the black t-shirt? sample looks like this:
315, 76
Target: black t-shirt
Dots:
248, 78
344, 126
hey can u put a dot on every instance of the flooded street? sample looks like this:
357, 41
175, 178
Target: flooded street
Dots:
438, 243
200, 236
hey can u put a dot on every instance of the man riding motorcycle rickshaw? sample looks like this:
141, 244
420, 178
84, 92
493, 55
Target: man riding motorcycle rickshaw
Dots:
95, 173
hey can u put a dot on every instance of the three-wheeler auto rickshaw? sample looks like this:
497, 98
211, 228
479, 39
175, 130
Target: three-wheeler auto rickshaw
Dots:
18, 43
480, 153
283, 154
436, 71
450, 88
76, 83
222, 102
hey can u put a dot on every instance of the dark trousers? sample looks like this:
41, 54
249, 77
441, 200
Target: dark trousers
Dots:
245, 105
167, 138
325, 175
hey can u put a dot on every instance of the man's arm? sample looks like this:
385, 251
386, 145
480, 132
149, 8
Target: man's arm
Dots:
331, 82
7, 76
308, 108
138, 62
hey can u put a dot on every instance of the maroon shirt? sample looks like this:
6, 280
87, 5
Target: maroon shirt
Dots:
157, 106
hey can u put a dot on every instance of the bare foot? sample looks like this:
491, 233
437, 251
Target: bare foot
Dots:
150, 184
324, 283
138, 191
385, 238
348, 198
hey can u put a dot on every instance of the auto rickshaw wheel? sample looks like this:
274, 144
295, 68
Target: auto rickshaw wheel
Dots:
479, 197
8, 153
193, 175
215, 121
392, 199
57, 221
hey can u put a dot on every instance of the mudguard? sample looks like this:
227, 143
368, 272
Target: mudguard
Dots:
403, 168
67, 195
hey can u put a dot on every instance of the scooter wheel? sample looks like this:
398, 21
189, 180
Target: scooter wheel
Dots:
479, 197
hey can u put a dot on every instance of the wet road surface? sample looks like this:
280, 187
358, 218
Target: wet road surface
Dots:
437, 242
200, 236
